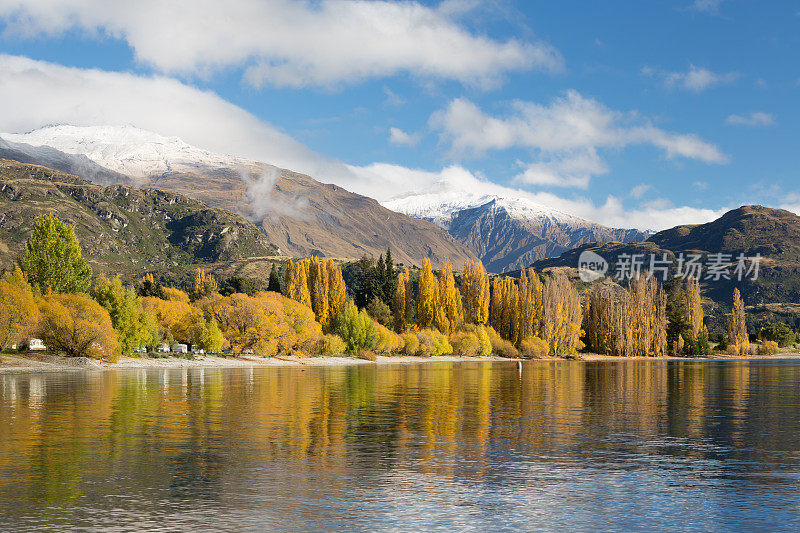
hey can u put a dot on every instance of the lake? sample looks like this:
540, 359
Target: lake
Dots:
566, 445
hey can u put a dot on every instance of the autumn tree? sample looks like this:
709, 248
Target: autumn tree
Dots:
297, 282
53, 260
504, 309
531, 304
19, 312
427, 296
318, 290
134, 326
204, 284
77, 326
449, 306
337, 291
628, 322
475, 293
562, 315
738, 340
402, 302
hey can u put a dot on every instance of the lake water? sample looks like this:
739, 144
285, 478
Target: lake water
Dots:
696, 446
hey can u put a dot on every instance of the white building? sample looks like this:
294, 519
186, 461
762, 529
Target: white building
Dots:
36, 344
180, 348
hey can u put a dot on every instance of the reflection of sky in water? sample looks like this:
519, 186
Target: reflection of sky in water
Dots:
629, 445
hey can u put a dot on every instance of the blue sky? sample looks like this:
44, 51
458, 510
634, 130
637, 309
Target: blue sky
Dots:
642, 114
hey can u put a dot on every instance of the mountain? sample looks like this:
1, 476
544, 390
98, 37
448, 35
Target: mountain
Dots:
297, 213
751, 230
123, 229
508, 234
79, 164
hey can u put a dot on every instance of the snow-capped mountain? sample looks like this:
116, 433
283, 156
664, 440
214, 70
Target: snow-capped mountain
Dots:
508, 233
300, 215
128, 150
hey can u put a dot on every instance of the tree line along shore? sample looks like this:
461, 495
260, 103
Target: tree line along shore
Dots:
370, 309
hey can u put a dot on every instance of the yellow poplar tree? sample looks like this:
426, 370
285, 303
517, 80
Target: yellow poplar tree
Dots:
449, 299
426, 296
337, 292
476, 293
562, 315
737, 326
318, 290
530, 304
399, 307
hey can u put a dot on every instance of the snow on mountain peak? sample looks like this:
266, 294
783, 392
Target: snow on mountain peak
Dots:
440, 207
126, 149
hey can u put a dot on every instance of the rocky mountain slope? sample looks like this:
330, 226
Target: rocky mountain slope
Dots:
122, 229
297, 213
508, 234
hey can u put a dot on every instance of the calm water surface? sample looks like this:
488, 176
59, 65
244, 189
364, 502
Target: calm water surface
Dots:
699, 446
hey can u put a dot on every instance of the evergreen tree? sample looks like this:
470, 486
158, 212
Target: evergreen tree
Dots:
53, 260
151, 287
390, 275
274, 281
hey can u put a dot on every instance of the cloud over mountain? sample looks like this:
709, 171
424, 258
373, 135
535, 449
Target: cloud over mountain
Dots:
291, 44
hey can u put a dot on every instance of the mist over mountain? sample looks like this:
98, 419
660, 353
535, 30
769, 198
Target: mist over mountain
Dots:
299, 214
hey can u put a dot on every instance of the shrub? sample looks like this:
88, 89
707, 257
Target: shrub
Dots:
465, 344
471, 341
768, 348
432, 343
356, 329
331, 345
534, 347
387, 341
368, 355
500, 346
78, 326
410, 343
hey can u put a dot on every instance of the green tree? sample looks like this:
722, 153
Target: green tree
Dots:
240, 284
777, 332
274, 280
135, 328
356, 329
53, 260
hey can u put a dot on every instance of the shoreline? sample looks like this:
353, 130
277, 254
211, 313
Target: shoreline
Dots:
19, 364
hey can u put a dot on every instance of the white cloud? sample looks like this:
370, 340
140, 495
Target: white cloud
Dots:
752, 119
36, 93
399, 137
290, 43
563, 137
640, 190
570, 169
696, 79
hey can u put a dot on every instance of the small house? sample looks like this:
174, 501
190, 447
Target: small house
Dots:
36, 344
